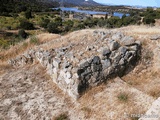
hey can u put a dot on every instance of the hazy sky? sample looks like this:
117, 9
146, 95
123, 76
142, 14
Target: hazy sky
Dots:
131, 2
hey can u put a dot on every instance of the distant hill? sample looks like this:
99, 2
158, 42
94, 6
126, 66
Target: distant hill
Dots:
79, 2
16, 6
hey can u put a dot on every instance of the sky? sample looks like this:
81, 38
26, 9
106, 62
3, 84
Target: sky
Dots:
131, 2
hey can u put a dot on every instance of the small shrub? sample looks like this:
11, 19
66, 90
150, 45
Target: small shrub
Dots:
123, 97
8, 27
44, 23
53, 27
62, 116
148, 20
87, 111
4, 44
26, 25
34, 40
28, 14
22, 33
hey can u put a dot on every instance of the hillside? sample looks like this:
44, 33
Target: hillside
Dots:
27, 90
82, 2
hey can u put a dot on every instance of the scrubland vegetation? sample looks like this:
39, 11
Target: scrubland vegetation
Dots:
19, 20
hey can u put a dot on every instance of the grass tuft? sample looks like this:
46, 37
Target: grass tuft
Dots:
123, 97
62, 116
34, 40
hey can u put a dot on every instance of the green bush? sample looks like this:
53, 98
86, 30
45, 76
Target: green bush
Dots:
24, 24
67, 25
22, 33
28, 14
53, 27
148, 20
4, 44
44, 23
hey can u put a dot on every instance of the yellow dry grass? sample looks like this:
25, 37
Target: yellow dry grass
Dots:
4, 67
20, 48
103, 101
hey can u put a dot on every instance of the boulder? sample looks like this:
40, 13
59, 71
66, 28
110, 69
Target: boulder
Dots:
122, 50
106, 63
117, 36
56, 63
155, 37
114, 45
106, 51
127, 41
96, 60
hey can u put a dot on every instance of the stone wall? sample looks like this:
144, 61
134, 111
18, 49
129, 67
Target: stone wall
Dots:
77, 67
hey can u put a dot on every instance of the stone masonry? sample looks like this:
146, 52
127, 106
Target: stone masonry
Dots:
77, 67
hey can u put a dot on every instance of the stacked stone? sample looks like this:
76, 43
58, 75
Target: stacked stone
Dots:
75, 70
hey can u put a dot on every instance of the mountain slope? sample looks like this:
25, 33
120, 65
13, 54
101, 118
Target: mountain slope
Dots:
80, 2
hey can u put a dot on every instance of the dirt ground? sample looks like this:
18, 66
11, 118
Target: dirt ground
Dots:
28, 93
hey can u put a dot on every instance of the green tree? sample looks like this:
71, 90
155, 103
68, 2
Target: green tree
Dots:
148, 20
53, 27
24, 24
58, 21
44, 23
28, 14
67, 25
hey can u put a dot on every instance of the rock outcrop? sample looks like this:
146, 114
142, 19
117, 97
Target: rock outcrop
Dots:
77, 67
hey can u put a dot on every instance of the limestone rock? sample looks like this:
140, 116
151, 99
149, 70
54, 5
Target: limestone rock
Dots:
114, 45
127, 41
106, 51
155, 37
117, 36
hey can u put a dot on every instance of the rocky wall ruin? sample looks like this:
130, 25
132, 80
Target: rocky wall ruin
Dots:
77, 67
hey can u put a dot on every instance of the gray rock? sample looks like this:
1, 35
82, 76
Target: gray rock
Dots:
114, 45
127, 41
155, 37
80, 71
117, 36
106, 51
69, 55
68, 75
106, 63
134, 48
116, 59
127, 55
66, 64
138, 43
56, 63
84, 64
96, 60
122, 61
96, 68
122, 50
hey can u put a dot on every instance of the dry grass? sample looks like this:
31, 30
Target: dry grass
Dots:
24, 46
4, 67
114, 100
87, 111
142, 30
